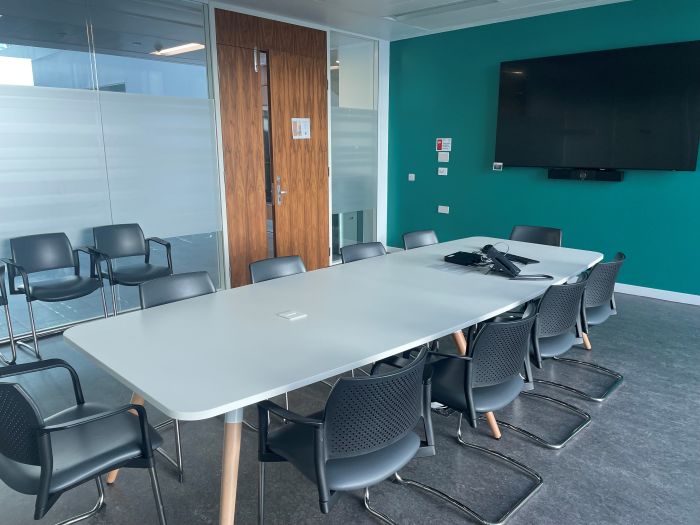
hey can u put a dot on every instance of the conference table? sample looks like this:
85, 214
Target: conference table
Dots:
216, 354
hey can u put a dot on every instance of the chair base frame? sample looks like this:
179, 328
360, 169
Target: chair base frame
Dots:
585, 416
461, 506
380, 516
177, 461
10, 336
92, 512
576, 362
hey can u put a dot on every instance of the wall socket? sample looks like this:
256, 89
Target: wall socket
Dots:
442, 172
444, 209
411, 177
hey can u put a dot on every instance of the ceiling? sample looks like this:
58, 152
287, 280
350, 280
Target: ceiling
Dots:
399, 19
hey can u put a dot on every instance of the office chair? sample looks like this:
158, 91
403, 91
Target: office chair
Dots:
117, 241
41, 253
537, 235
558, 326
4, 303
487, 380
275, 267
363, 250
47, 456
365, 434
599, 298
165, 290
418, 239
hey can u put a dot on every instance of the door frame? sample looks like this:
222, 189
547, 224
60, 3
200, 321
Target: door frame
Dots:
382, 124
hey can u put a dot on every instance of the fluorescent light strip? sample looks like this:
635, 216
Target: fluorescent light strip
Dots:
178, 50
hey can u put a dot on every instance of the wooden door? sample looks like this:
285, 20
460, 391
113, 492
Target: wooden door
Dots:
244, 169
298, 89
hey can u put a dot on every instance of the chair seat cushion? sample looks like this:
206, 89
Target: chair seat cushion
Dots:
62, 288
133, 275
557, 345
495, 397
599, 314
83, 452
295, 443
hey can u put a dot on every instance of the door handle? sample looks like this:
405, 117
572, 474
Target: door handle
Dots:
280, 192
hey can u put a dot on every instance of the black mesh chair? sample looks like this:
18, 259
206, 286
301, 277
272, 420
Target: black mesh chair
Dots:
170, 289
418, 239
487, 380
363, 250
275, 267
47, 456
558, 327
40, 253
4, 303
365, 435
599, 298
118, 241
536, 235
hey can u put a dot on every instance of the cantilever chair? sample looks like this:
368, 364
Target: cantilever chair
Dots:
536, 235
419, 239
170, 289
118, 241
599, 298
47, 456
363, 250
48, 251
365, 435
4, 304
275, 267
487, 380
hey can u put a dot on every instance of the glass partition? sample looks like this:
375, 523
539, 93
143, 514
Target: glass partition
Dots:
107, 118
354, 138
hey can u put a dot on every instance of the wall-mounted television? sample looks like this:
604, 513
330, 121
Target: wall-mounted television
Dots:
632, 108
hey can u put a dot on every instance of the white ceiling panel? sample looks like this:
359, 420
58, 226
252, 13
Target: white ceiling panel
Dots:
399, 19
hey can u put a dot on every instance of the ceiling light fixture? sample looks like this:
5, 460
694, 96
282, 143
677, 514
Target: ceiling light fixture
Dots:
178, 50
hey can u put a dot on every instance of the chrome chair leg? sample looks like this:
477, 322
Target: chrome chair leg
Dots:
104, 301
113, 290
97, 508
585, 417
261, 493
156, 494
598, 399
35, 348
381, 517
10, 334
461, 506
177, 462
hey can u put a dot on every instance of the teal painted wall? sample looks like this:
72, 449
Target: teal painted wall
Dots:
446, 85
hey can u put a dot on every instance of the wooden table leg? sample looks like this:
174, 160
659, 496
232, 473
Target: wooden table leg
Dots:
229, 471
135, 400
461, 342
586, 341
491, 420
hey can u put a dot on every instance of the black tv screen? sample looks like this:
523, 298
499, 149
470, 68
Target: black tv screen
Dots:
634, 108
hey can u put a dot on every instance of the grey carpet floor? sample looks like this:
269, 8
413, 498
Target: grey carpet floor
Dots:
638, 461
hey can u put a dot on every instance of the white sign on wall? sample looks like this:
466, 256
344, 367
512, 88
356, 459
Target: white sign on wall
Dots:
301, 128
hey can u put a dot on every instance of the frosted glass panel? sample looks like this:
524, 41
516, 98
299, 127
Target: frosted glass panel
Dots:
52, 174
161, 162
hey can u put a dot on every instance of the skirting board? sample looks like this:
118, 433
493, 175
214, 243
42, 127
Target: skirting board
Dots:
664, 295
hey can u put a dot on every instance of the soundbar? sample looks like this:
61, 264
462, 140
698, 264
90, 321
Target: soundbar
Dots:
586, 174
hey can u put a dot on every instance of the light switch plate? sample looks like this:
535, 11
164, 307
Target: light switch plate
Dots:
411, 177
444, 209
442, 172
292, 315
443, 156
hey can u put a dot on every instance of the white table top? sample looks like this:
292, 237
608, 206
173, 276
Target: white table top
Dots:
214, 354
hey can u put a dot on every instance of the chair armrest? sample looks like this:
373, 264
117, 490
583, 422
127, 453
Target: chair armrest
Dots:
3, 290
269, 406
168, 250
46, 364
93, 259
146, 448
98, 257
451, 356
13, 270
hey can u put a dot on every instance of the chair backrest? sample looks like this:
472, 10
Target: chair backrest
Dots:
20, 421
537, 235
173, 288
363, 250
275, 267
499, 350
419, 238
120, 240
560, 308
42, 252
601, 281
3, 289
365, 414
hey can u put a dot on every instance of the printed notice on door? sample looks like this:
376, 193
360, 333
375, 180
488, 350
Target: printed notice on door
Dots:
301, 128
